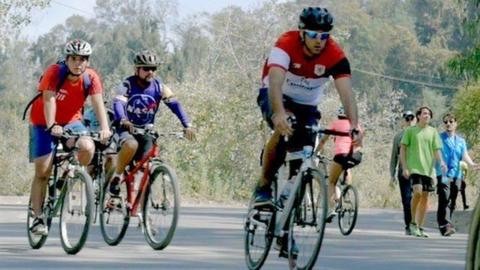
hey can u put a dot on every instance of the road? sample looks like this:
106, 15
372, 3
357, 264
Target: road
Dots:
211, 238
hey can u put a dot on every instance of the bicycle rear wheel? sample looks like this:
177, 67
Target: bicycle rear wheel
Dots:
161, 207
37, 241
114, 214
259, 233
77, 211
347, 215
307, 221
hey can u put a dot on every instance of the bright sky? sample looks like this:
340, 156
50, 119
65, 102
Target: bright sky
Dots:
60, 10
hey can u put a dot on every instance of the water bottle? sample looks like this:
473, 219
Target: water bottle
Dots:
137, 180
285, 193
307, 151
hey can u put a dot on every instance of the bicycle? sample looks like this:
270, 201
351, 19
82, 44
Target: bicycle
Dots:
347, 206
98, 172
300, 224
73, 204
156, 193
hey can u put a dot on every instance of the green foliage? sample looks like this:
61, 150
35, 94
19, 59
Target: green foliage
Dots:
466, 105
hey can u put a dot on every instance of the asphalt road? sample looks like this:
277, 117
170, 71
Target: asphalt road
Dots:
212, 238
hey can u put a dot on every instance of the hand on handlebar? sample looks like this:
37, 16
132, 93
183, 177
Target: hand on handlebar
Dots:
127, 125
281, 124
189, 133
56, 130
105, 135
357, 137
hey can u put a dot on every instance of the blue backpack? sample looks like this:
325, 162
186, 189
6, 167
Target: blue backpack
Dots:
62, 75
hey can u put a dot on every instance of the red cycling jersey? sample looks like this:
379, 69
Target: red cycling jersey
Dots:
69, 99
306, 77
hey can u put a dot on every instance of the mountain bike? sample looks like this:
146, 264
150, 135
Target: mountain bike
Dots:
149, 186
347, 206
70, 197
98, 171
299, 225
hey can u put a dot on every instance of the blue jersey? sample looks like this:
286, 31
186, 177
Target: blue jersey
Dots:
142, 103
453, 149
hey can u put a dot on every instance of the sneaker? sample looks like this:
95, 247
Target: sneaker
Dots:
414, 230
263, 197
447, 230
331, 214
423, 233
407, 231
38, 227
466, 206
114, 188
283, 248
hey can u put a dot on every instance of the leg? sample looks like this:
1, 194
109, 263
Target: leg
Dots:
464, 196
43, 167
453, 196
406, 194
417, 194
273, 157
334, 172
86, 149
443, 193
125, 155
422, 208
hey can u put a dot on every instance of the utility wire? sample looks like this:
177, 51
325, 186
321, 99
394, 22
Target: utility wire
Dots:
434, 85
72, 7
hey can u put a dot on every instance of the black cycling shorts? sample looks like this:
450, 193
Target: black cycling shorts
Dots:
425, 181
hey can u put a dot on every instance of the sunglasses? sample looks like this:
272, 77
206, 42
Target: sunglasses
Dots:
449, 122
409, 118
149, 68
317, 35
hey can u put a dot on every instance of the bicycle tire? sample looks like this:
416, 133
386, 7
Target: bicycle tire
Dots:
347, 215
37, 241
162, 199
76, 211
473, 247
307, 221
114, 218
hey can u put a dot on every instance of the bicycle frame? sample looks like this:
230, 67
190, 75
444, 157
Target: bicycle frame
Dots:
144, 164
307, 163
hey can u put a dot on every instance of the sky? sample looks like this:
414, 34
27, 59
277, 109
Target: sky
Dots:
60, 10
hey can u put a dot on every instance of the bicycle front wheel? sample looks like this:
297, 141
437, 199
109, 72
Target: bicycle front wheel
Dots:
114, 214
307, 221
77, 211
347, 215
161, 207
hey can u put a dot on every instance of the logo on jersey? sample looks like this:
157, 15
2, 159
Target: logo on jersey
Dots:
319, 70
297, 65
141, 109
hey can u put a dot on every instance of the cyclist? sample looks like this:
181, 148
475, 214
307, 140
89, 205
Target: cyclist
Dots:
404, 183
453, 151
420, 148
346, 157
136, 103
61, 110
294, 78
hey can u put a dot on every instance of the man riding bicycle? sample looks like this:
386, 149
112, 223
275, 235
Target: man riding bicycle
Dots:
135, 105
294, 78
58, 110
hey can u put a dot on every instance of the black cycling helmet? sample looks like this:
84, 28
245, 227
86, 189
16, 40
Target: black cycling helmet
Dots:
316, 18
145, 59
77, 47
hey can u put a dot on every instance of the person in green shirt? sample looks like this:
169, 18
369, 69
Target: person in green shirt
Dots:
408, 119
419, 151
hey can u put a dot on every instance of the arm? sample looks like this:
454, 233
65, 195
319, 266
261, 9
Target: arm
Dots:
99, 108
344, 89
276, 77
403, 160
438, 158
50, 110
394, 158
321, 143
174, 105
466, 157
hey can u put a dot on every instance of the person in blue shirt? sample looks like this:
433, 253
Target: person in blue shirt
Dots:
454, 150
136, 103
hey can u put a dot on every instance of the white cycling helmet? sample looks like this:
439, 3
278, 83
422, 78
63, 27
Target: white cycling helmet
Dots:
77, 47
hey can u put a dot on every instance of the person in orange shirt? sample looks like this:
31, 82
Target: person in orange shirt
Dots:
342, 160
59, 108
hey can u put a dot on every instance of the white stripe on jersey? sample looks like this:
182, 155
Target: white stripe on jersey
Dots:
302, 90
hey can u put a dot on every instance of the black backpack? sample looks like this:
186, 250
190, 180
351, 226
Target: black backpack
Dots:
62, 74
